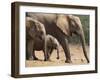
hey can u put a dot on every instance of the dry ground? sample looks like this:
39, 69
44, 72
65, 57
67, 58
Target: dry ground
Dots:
77, 57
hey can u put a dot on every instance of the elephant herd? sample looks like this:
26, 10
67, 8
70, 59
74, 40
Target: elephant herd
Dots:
47, 31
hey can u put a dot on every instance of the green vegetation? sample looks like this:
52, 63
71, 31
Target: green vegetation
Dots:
85, 24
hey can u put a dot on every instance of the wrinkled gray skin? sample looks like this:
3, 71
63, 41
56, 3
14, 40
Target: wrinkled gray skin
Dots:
36, 37
61, 27
51, 44
35, 31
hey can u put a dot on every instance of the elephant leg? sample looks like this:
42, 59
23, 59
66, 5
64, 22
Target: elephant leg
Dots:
29, 49
45, 49
49, 53
57, 53
34, 57
27, 56
45, 54
65, 46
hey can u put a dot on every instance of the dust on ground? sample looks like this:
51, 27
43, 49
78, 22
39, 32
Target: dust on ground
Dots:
77, 57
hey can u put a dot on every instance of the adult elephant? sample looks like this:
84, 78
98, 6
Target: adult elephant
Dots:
61, 27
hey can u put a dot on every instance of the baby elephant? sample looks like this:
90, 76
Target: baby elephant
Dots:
51, 44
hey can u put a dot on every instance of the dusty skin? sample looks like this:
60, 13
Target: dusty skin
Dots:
77, 57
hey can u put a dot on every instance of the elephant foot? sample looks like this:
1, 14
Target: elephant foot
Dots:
88, 61
68, 61
35, 58
57, 57
30, 58
45, 59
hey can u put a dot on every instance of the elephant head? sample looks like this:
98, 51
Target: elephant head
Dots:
70, 24
34, 28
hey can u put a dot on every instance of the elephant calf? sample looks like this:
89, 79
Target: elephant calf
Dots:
35, 31
51, 43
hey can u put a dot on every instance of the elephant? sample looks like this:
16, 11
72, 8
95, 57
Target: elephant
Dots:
51, 43
34, 31
62, 26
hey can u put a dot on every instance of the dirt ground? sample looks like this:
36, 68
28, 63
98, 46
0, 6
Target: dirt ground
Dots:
77, 57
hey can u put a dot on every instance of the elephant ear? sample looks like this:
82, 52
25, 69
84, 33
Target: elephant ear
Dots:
75, 21
63, 23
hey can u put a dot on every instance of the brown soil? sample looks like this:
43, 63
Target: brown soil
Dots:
77, 57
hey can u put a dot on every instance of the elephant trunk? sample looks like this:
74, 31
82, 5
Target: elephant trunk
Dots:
82, 39
45, 48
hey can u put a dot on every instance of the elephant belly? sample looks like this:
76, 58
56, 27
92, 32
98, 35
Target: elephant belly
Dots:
38, 45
